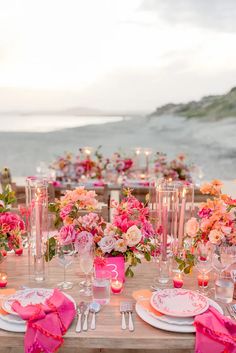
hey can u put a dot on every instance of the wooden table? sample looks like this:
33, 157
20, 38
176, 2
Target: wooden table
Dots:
108, 334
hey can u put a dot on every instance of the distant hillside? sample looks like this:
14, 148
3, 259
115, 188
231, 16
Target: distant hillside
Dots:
213, 107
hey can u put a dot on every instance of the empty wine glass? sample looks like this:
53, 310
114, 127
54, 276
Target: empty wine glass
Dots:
203, 265
85, 247
223, 257
65, 257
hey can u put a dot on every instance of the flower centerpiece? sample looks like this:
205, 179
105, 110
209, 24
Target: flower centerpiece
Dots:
129, 235
121, 163
12, 226
215, 225
176, 169
69, 220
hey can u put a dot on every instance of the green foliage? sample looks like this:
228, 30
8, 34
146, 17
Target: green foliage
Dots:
186, 264
129, 272
8, 198
51, 249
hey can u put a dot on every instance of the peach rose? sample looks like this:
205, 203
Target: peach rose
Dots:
215, 236
192, 227
133, 236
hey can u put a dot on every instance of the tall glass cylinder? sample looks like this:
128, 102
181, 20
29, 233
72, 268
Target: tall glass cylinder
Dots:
185, 209
37, 203
167, 224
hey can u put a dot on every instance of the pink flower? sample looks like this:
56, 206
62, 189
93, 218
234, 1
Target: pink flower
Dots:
67, 235
107, 244
120, 245
192, 227
65, 211
133, 236
215, 237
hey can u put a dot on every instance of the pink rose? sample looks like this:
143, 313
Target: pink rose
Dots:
67, 235
192, 227
107, 244
65, 211
133, 236
215, 236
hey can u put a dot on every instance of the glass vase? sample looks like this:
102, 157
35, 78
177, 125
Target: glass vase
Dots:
37, 203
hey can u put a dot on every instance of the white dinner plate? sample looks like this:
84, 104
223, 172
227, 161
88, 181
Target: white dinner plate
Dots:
179, 302
156, 322
10, 324
13, 319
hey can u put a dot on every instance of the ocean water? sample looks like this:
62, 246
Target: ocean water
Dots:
48, 123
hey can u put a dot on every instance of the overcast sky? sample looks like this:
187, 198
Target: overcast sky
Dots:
115, 54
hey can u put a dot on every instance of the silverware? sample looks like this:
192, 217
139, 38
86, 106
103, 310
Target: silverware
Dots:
80, 311
130, 310
231, 311
86, 314
123, 310
94, 308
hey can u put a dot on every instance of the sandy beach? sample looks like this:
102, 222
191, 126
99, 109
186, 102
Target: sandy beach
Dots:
212, 145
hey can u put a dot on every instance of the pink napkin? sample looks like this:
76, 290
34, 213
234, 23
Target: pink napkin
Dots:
214, 333
47, 323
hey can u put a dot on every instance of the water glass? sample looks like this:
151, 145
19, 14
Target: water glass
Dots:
224, 289
101, 288
65, 258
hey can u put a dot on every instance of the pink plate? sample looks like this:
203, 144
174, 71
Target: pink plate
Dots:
179, 302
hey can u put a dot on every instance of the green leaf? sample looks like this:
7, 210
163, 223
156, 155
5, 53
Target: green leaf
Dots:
51, 247
147, 256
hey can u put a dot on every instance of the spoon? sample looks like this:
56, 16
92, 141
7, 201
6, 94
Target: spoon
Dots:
80, 311
94, 308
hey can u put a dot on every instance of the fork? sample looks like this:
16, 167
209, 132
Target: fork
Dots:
232, 311
123, 306
80, 311
130, 310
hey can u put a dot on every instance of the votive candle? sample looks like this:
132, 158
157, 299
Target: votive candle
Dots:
3, 279
116, 286
178, 281
203, 281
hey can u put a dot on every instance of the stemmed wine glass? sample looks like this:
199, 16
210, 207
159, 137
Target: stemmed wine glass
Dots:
85, 247
203, 265
65, 257
223, 257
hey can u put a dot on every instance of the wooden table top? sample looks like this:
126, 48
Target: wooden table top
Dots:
108, 333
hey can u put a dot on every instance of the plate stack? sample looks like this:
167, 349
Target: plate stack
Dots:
11, 321
174, 309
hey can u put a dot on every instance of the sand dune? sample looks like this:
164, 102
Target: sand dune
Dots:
209, 144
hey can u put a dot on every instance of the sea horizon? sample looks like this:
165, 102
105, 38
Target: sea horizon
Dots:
49, 123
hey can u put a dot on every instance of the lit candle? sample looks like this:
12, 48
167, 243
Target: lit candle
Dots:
3, 279
164, 231
116, 286
203, 281
137, 152
38, 222
181, 219
178, 281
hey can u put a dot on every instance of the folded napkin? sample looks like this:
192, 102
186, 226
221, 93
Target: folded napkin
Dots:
214, 333
143, 297
46, 323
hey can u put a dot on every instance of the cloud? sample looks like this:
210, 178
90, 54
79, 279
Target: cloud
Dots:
218, 15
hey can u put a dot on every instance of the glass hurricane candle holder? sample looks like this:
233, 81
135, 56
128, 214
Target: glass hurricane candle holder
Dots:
117, 286
178, 280
3, 279
203, 281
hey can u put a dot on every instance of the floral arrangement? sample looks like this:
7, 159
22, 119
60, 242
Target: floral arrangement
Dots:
12, 226
121, 164
176, 169
62, 165
130, 234
216, 223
